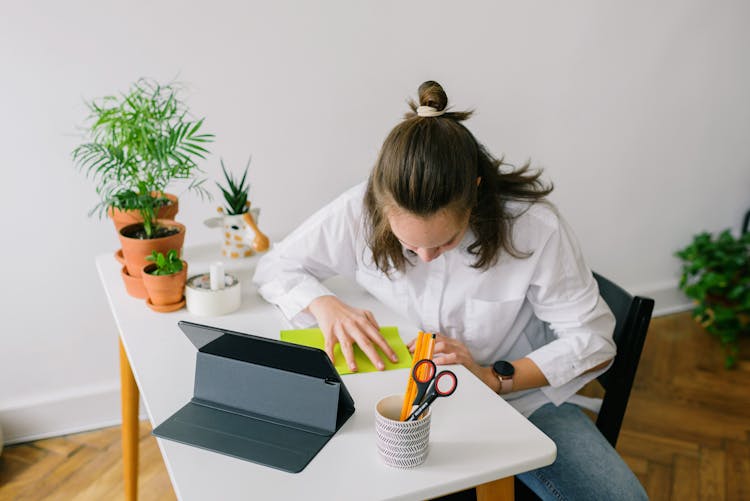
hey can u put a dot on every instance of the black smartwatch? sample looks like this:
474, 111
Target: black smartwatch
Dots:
504, 372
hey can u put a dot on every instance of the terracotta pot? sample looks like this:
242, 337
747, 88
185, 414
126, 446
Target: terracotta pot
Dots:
122, 218
133, 285
136, 250
164, 290
120, 258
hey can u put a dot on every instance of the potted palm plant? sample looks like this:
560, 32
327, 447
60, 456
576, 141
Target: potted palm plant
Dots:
140, 142
716, 276
164, 279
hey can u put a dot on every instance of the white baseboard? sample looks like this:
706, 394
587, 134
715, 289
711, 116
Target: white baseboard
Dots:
667, 296
70, 411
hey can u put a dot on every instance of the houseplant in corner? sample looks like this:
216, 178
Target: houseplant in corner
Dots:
716, 276
164, 280
140, 142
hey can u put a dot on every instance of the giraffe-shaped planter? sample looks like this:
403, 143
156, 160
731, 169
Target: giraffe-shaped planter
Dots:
241, 236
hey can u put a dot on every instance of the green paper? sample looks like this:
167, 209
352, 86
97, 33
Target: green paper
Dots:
314, 338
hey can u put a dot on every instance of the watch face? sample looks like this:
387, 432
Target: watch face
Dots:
503, 368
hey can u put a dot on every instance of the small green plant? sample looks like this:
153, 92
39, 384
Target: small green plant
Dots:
235, 193
140, 141
165, 265
716, 275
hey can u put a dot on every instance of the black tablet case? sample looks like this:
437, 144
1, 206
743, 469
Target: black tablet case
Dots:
257, 399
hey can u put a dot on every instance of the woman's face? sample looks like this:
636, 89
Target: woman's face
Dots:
428, 237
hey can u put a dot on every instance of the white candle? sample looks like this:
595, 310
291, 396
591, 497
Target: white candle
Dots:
217, 275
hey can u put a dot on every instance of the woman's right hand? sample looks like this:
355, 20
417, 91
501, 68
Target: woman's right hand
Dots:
347, 325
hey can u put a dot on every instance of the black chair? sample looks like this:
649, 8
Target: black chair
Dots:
632, 316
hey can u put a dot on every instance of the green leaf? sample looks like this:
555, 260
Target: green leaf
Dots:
144, 135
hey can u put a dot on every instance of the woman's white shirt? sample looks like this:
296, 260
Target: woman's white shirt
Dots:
545, 307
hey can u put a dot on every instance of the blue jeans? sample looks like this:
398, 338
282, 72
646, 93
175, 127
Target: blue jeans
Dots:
587, 467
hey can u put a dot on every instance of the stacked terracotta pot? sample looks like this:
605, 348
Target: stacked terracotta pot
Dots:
134, 251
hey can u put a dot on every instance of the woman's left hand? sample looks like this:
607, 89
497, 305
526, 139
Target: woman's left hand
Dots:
451, 351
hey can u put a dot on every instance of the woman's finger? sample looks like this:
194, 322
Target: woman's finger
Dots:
330, 344
363, 336
347, 346
445, 359
373, 332
412, 345
368, 314
440, 347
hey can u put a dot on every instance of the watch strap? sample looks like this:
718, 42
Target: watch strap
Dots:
506, 384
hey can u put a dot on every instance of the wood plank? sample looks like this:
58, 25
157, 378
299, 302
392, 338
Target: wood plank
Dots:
153, 480
84, 476
654, 447
712, 480
728, 390
659, 482
101, 439
26, 479
58, 445
107, 485
638, 465
685, 479
59, 475
684, 421
738, 471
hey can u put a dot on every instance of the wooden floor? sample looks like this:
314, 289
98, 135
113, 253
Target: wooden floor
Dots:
85, 466
686, 434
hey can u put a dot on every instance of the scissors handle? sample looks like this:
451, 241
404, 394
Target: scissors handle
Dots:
423, 374
437, 389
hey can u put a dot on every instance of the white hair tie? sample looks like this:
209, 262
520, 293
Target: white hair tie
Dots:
429, 111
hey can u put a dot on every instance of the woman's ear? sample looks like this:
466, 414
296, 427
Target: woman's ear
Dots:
479, 180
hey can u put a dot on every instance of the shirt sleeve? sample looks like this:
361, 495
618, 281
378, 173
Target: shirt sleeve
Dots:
564, 294
290, 274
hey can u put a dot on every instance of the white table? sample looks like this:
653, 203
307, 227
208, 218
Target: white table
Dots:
476, 437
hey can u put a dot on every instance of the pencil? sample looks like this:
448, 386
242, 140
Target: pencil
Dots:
411, 387
419, 353
429, 351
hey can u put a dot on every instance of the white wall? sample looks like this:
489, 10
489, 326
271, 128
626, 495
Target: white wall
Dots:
637, 110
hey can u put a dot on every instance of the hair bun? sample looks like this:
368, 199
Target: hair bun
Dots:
432, 94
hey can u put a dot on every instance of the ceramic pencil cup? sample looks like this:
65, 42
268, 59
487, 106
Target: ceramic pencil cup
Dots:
401, 444
213, 294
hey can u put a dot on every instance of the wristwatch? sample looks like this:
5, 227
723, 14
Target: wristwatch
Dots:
504, 372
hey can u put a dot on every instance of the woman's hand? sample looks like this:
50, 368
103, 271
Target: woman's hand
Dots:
451, 351
347, 325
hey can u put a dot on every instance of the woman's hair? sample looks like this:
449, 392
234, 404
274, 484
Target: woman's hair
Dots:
430, 163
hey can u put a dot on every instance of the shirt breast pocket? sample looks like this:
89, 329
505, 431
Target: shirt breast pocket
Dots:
489, 323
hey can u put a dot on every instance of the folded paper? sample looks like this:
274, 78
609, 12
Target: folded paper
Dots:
314, 339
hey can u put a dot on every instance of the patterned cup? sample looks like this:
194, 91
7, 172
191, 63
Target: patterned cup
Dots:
401, 444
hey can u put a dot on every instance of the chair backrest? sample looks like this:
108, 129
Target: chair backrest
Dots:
632, 315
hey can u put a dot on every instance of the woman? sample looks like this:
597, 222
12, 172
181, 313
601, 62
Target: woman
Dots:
446, 236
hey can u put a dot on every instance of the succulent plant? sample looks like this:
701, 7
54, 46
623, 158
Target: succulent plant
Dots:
235, 193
